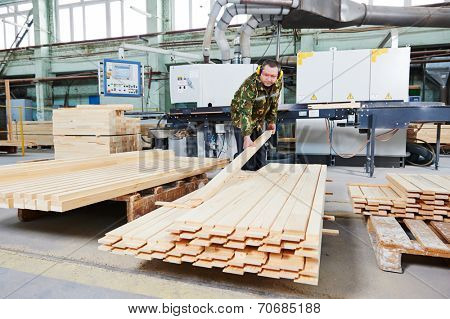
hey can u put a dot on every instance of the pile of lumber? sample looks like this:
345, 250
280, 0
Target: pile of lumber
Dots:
428, 132
62, 185
94, 130
35, 133
267, 223
424, 197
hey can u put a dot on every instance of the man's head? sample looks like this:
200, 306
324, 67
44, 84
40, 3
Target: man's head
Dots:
270, 71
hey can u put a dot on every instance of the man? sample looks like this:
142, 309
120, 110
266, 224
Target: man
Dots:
254, 103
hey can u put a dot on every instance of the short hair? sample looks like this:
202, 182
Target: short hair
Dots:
272, 64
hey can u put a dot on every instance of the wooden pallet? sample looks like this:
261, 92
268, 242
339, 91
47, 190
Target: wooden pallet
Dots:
60, 185
267, 223
8, 147
141, 203
390, 241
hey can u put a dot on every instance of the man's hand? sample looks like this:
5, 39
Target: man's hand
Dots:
248, 142
271, 127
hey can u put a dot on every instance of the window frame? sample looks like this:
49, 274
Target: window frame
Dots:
15, 15
83, 4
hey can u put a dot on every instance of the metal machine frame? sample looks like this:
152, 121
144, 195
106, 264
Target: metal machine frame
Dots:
369, 117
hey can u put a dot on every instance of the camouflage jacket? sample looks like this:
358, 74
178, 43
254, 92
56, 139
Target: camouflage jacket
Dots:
253, 103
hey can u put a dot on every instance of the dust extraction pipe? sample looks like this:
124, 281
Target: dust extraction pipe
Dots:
248, 29
228, 15
253, 4
325, 14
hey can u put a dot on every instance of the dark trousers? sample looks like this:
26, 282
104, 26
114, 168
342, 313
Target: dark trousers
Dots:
256, 161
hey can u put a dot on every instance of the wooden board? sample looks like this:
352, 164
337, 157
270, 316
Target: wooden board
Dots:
93, 122
71, 147
426, 237
443, 229
116, 107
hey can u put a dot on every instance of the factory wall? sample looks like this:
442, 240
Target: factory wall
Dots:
70, 58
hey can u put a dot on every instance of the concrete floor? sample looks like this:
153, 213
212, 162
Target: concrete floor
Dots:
56, 257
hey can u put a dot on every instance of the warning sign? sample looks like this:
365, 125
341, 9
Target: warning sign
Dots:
388, 97
313, 97
350, 96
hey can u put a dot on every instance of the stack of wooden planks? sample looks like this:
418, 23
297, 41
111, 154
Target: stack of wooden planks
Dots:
428, 132
424, 197
390, 241
62, 185
35, 133
94, 130
267, 223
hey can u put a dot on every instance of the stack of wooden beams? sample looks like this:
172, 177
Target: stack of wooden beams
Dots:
94, 130
428, 133
424, 197
62, 185
267, 223
35, 133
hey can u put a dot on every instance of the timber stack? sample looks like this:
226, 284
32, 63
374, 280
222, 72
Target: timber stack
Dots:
267, 223
94, 130
423, 197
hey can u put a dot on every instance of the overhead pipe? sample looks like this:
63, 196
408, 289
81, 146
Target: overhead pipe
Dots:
215, 10
325, 14
229, 14
249, 28
277, 3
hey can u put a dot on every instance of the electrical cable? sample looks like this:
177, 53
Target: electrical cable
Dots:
329, 128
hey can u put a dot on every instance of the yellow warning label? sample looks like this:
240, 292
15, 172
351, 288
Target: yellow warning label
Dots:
313, 97
350, 96
388, 97
377, 52
303, 55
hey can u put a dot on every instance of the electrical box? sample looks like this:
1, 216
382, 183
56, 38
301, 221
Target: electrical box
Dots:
207, 85
120, 78
314, 77
389, 74
353, 75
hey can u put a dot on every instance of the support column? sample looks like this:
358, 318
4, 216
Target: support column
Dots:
42, 10
307, 42
154, 25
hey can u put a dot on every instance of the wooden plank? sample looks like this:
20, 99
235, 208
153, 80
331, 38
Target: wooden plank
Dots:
399, 182
120, 107
390, 233
426, 237
443, 229
220, 179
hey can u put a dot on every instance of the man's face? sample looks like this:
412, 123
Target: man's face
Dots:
269, 75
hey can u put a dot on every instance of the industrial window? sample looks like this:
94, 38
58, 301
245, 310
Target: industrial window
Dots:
12, 20
194, 14
79, 20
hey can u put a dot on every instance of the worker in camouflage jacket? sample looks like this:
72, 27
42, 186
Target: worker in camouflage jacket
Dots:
254, 103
